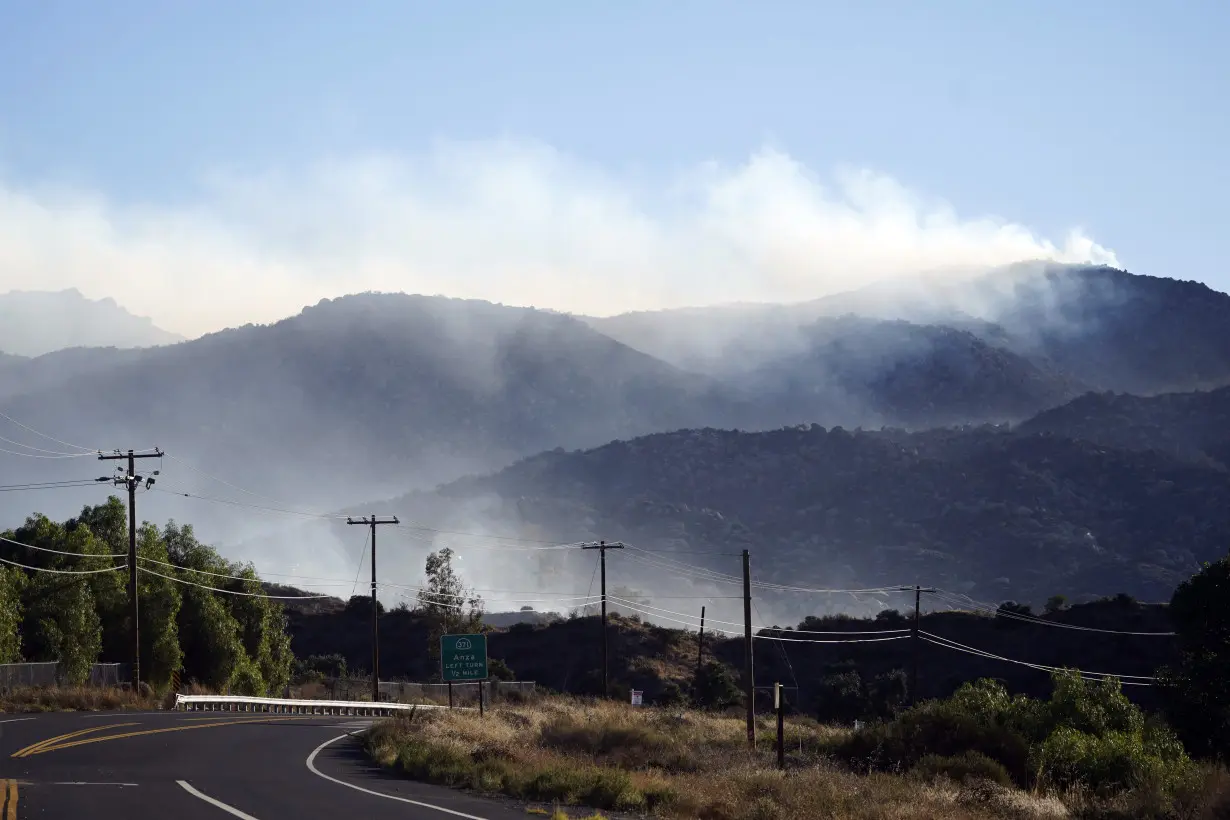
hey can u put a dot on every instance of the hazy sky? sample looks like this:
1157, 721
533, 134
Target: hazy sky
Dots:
215, 163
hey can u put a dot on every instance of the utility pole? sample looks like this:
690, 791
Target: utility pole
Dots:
700, 642
373, 522
131, 480
602, 547
749, 680
918, 591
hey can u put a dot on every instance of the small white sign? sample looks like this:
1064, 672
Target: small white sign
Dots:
637, 697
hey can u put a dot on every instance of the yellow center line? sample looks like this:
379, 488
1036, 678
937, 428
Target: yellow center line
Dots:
34, 747
85, 741
10, 800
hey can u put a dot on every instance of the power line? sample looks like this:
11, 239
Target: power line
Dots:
63, 571
50, 458
701, 573
51, 485
186, 582
259, 575
88, 450
834, 640
769, 628
234, 503
223, 481
1136, 680
61, 552
40, 449
964, 600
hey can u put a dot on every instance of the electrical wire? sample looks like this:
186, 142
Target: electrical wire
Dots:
359, 570
223, 481
964, 600
51, 458
63, 571
701, 573
424, 539
759, 628
186, 582
62, 552
27, 428
1127, 680
40, 449
834, 640
781, 645
49, 485
260, 575
234, 503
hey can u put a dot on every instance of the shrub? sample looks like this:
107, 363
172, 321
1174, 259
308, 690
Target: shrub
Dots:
963, 768
939, 728
714, 687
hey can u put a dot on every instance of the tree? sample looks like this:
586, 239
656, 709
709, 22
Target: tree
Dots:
160, 603
714, 687
1198, 684
445, 601
840, 697
499, 670
1054, 604
59, 619
11, 582
108, 525
209, 634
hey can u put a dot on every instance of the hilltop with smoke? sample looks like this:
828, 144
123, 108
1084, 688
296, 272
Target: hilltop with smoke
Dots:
373, 395
34, 322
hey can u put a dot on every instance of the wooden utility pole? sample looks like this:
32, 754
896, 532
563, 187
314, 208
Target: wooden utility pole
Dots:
131, 480
914, 643
700, 642
373, 522
749, 679
602, 547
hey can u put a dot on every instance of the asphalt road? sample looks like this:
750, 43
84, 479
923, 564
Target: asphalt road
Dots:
198, 766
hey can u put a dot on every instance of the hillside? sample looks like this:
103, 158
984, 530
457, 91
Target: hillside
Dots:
372, 392
33, 323
1193, 425
985, 510
1093, 327
867, 372
565, 655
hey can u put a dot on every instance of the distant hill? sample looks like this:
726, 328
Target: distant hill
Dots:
986, 510
1194, 425
365, 392
1094, 327
36, 322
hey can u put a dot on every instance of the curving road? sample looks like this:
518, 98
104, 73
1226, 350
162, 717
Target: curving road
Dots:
197, 766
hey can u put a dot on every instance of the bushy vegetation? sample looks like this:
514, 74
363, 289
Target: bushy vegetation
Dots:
663, 763
226, 642
1087, 735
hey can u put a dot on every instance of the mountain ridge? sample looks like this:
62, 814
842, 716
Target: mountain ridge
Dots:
33, 323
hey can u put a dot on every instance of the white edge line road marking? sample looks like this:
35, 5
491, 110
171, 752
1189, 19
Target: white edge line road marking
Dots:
228, 809
86, 783
15, 720
311, 764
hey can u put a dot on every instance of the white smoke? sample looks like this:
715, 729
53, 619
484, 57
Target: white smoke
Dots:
512, 222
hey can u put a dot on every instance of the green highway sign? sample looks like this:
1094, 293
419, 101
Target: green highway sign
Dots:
463, 657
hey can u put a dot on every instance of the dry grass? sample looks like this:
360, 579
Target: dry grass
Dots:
72, 699
670, 764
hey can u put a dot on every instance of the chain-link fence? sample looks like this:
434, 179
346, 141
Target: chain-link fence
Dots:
49, 673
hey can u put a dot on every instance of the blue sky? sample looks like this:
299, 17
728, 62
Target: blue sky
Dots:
584, 152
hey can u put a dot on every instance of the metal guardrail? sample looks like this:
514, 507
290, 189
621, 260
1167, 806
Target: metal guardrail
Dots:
291, 706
